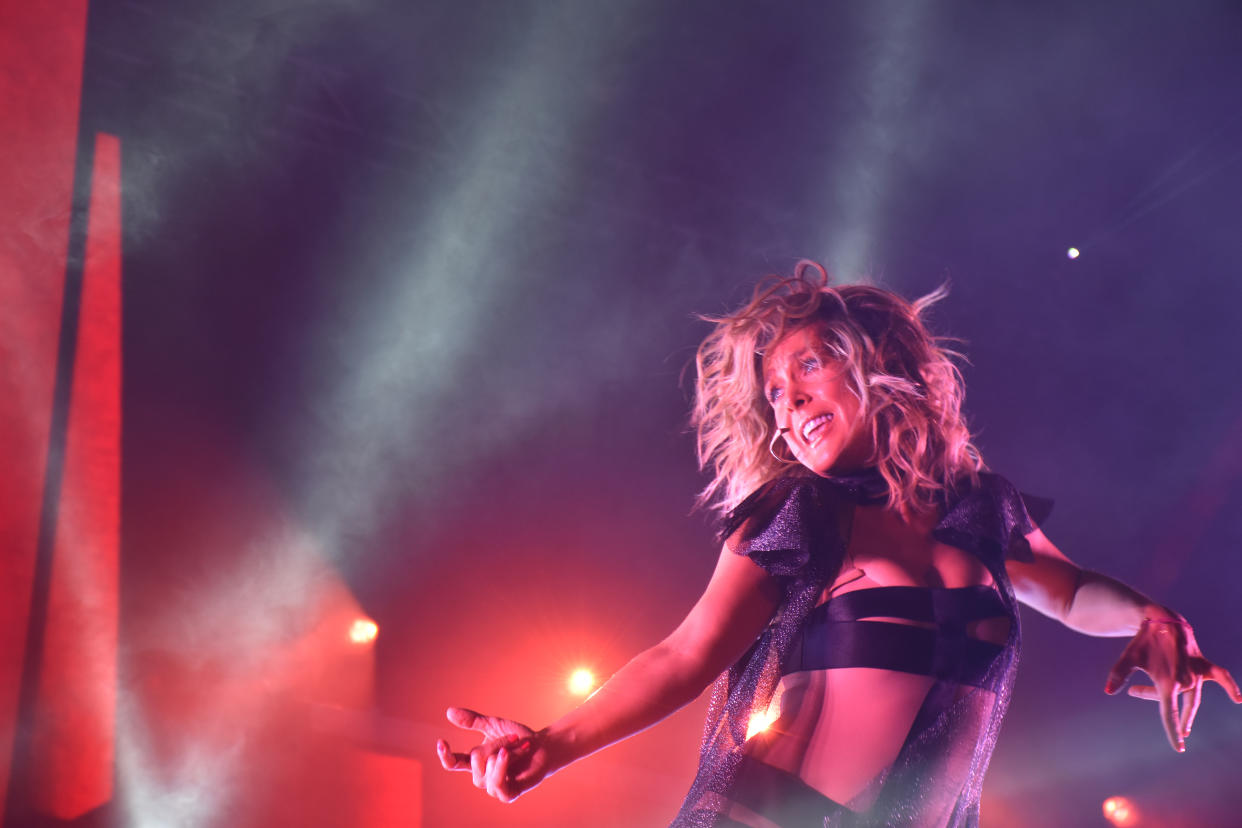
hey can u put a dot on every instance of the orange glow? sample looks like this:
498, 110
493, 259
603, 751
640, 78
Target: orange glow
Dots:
1120, 811
760, 721
581, 681
363, 631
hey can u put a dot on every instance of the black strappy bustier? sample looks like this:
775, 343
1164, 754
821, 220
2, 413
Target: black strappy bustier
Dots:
834, 637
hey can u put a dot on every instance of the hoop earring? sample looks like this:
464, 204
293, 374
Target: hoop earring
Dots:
777, 435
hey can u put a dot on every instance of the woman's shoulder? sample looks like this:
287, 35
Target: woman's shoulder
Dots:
1002, 493
779, 494
785, 523
993, 511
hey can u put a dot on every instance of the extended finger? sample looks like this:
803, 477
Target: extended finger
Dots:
1169, 715
452, 761
1190, 707
1222, 677
469, 719
1143, 691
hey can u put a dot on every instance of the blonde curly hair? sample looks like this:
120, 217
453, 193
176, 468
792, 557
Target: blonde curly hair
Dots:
909, 387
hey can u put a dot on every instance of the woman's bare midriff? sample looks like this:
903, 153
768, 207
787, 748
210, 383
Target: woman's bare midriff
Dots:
840, 729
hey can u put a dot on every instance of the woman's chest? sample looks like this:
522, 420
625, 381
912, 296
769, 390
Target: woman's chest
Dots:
893, 552
939, 566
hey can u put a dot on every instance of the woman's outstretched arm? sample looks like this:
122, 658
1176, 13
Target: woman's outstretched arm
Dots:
733, 610
1088, 602
1163, 643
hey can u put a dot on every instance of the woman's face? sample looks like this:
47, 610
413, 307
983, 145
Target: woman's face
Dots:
819, 416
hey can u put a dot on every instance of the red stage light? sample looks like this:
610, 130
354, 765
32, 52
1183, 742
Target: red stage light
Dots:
363, 631
1120, 811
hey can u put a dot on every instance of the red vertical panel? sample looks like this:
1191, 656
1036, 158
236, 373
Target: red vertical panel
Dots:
73, 736
41, 45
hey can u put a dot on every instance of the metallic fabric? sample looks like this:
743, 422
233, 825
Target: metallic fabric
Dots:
797, 528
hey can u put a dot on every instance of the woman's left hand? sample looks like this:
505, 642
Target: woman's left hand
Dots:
511, 760
1165, 649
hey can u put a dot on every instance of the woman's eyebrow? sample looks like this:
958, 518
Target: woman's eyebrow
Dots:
800, 356
794, 358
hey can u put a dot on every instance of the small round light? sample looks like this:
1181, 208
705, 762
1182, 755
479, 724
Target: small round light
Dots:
581, 681
363, 631
1072, 253
1120, 811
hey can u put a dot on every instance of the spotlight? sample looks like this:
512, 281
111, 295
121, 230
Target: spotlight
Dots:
581, 682
1120, 811
760, 721
363, 631
1072, 253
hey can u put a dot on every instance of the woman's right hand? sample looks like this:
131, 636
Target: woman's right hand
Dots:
511, 760
1165, 649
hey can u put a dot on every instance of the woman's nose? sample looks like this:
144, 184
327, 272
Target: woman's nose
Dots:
793, 401
797, 398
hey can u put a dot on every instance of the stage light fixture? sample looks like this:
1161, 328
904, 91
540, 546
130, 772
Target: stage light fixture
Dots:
363, 631
581, 682
1120, 811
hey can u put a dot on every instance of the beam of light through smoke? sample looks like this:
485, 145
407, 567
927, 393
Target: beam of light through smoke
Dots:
415, 340
861, 182
190, 792
217, 667
181, 742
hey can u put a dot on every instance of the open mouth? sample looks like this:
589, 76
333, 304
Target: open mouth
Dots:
813, 425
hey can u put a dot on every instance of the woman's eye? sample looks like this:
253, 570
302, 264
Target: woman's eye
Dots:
810, 364
774, 394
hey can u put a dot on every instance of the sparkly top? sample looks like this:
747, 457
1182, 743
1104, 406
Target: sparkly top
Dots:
797, 529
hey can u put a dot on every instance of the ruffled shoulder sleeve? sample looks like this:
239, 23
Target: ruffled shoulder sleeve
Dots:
993, 519
789, 526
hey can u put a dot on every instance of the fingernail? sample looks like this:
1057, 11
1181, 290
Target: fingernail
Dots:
502, 753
